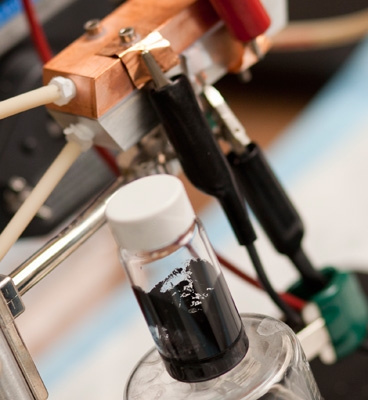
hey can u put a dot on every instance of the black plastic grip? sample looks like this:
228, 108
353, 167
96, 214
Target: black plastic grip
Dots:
199, 153
268, 199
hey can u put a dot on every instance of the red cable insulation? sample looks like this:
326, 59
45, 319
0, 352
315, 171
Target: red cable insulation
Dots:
245, 19
37, 33
293, 301
108, 158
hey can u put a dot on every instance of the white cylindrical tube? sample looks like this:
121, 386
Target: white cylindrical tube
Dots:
322, 33
38, 196
26, 101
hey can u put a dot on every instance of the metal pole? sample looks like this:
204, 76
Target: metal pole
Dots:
65, 243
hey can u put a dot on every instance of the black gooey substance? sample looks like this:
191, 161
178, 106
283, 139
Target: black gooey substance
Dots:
194, 322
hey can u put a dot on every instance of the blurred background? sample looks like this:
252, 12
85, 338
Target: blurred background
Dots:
271, 103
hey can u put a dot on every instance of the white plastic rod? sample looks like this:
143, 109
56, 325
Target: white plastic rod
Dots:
329, 32
38, 196
26, 101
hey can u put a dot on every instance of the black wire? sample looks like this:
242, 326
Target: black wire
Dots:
314, 279
293, 319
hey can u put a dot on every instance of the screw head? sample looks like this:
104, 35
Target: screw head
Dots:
93, 27
127, 35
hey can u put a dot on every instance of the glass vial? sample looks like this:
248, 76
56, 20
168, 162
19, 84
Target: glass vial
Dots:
176, 279
204, 349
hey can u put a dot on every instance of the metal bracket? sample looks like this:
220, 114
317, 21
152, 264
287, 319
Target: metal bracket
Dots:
19, 378
314, 338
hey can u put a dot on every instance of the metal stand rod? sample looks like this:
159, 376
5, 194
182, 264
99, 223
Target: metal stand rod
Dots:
65, 243
12, 383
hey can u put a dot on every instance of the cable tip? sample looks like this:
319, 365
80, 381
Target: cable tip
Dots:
159, 78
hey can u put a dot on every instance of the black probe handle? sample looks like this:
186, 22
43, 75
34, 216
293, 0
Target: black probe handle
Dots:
267, 199
201, 158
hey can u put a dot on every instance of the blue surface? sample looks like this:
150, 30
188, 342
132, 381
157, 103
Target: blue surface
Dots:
333, 114
115, 313
9, 9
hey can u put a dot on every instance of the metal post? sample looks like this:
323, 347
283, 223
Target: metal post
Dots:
65, 243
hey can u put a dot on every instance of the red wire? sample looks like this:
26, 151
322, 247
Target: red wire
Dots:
37, 33
108, 158
293, 301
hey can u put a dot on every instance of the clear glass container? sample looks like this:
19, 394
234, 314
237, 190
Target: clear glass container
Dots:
188, 307
274, 368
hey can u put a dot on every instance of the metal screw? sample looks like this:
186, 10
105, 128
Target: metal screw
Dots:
93, 27
127, 35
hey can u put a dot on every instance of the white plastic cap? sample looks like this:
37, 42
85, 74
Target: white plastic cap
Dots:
150, 213
81, 134
67, 89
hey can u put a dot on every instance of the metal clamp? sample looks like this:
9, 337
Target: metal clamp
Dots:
231, 128
11, 296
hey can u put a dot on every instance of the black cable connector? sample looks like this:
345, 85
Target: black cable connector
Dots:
200, 156
274, 210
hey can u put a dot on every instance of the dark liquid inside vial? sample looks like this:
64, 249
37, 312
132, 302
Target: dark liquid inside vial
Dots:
194, 322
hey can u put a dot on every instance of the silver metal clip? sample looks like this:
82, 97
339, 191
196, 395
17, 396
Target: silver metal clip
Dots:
232, 129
